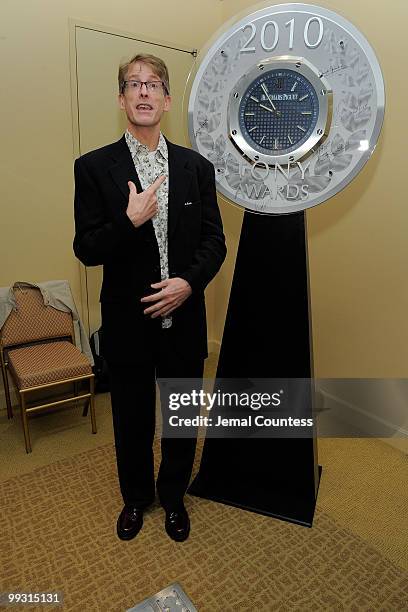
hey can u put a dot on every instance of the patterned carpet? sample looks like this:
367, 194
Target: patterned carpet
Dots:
58, 533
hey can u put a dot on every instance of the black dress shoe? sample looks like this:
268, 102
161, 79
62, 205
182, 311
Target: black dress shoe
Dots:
177, 524
129, 523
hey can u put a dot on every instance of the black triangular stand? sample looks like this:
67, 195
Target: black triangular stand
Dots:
266, 335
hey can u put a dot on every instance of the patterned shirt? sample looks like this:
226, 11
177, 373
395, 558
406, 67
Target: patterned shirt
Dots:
149, 165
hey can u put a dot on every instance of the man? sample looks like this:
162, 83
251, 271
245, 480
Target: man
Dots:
147, 210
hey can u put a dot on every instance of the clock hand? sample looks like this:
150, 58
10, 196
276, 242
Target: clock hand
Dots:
263, 86
267, 108
278, 113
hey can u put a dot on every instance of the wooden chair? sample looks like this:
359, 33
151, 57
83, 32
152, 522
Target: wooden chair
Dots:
37, 348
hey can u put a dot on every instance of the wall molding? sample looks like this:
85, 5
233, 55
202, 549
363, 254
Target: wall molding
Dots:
356, 415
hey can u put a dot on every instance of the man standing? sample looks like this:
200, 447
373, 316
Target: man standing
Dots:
147, 210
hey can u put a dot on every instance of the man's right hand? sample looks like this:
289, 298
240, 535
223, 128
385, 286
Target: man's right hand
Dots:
143, 206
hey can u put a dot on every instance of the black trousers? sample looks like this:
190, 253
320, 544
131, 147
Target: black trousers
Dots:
133, 396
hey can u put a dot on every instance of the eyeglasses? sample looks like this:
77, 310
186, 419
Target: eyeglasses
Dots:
153, 86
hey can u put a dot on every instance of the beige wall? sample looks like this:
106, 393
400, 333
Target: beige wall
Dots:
358, 249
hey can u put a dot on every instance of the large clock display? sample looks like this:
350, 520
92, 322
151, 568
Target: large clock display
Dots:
287, 102
278, 112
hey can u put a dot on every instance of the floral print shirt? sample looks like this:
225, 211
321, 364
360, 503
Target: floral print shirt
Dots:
149, 165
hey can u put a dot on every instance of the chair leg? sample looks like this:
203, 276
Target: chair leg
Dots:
7, 392
86, 406
85, 410
76, 393
92, 403
24, 419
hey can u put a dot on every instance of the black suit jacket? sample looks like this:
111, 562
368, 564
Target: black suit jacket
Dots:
104, 235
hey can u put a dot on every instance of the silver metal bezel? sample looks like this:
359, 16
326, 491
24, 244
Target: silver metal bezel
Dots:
324, 95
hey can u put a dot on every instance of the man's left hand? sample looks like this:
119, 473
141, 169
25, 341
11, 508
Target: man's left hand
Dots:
173, 292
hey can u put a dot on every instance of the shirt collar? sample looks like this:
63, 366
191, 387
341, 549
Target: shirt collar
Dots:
137, 147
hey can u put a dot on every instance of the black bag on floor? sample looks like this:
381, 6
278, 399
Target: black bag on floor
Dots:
100, 368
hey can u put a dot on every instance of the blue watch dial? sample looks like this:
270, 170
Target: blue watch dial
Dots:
278, 112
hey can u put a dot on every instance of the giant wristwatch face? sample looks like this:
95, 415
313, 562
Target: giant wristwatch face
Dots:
278, 111
288, 105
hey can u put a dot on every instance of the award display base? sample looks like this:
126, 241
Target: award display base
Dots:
266, 335
290, 500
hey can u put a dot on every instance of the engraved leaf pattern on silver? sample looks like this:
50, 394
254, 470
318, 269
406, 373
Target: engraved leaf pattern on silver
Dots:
353, 110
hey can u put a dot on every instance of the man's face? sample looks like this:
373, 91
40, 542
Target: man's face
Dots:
143, 107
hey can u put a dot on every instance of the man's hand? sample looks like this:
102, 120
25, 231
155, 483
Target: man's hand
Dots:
174, 291
143, 206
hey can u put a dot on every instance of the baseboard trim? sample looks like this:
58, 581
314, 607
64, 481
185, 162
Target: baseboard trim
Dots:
358, 416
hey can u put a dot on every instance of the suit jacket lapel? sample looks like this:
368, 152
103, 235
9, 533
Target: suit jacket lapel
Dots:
179, 182
123, 168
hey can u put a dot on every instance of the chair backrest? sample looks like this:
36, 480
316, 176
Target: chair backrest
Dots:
33, 320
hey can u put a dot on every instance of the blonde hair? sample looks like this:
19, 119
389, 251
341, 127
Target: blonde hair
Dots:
157, 64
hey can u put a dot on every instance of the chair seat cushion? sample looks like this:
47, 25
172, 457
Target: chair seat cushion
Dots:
51, 362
